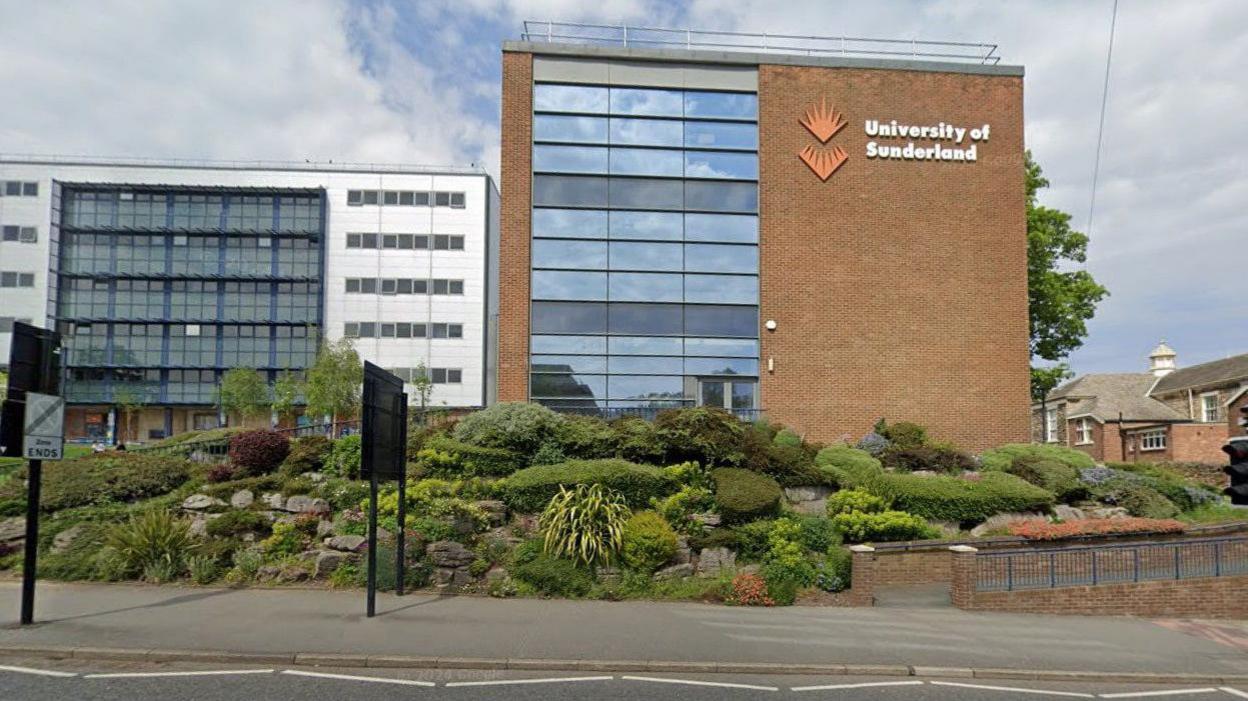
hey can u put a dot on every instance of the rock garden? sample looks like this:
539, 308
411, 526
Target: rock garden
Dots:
517, 500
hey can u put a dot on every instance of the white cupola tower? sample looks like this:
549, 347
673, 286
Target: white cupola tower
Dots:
1161, 360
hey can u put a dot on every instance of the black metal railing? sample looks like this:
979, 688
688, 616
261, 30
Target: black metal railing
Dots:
1111, 564
647, 413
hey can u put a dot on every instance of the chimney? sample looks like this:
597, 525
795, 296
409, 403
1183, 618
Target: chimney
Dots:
1161, 360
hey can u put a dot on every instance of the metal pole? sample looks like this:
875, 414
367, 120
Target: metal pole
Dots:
400, 556
29, 564
372, 542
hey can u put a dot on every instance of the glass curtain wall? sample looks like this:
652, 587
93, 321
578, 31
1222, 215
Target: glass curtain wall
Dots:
161, 289
644, 247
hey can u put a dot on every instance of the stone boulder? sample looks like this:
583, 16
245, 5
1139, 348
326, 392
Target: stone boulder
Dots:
66, 538
684, 554
999, 521
13, 530
715, 561
199, 502
675, 571
324, 528
242, 499
496, 573
1111, 512
327, 561
347, 543
709, 520
273, 500
812, 501
1069, 513
304, 504
448, 554
451, 577
495, 510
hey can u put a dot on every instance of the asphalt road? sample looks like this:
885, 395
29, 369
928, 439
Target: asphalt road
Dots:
45, 680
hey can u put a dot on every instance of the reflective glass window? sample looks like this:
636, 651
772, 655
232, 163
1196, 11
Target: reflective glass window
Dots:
713, 164
568, 344
569, 363
712, 258
558, 127
722, 347
580, 255
569, 191
721, 197
721, 135
639, 193
571, 223
650, 102
722, 105
645, 132
570, 159
558, 284
637, 365
743, 395
568, 385
712, 320
722, 289
730, 228
629, 255
656, 319
647, 225
570, 98
721, 366
644, 345
568, 317
646, 161
645, 387
645, 287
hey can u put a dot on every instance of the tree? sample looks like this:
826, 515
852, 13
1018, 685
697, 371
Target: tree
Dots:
286, 390
333, 385
423, 384
243, 391
128, 403
1061, 299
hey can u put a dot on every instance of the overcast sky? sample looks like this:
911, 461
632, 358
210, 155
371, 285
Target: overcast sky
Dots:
417, 82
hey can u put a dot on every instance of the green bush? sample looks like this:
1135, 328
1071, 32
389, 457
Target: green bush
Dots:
1055, 476
516, 426
743, 495
835, 458
548, 454
81, 559
549, 575
155, 543
529, 490
943, 498
102, 478
786, 567
474, 460
903, 434
203, 569
307, 454
584, 524
751, 539
649, 542
706, 435
1179, 487
638, 440
258, 452
816, 534
585, 438
344, 458
934, 458
788, 438
792, 466
835, 573
1137, 498
1002, 457
234, 524
862, 527
679, 508
851, 500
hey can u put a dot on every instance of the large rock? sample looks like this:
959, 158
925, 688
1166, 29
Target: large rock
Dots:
66, 538
448, 554
675, 571
242, 499
13, 529
999, 521
452, 577
199, 502
1069, 513
273, 500
304, 504
347, 543
715, 561
708, 519
812, 501
495, 510
684, 554
1111, 512
496, 573
324, 528
327, 561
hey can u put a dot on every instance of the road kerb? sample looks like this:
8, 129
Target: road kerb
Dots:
944, 672
402, 662
322, 659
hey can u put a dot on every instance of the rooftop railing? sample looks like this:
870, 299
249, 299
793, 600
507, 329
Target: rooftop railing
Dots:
626, 36
308, 165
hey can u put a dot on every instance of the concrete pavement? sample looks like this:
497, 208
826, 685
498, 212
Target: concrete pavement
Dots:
284, 622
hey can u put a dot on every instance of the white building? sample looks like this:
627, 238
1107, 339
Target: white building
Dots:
400, 258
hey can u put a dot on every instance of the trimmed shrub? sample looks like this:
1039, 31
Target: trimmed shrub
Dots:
472, 460
531, 489
792, 466
258, 452
743, 495
788, 438
584, 524
548, 454
233, 524
100, 478
520, 427
584, 437
935, 458
751, 539
1002, 457
833, 459
710, 436
638, 440
1138, 499
851, 500
816, 534
942, 498
344, 458
1039, 530
649, 542
903, 434
1057, 477
885, 526
307, 454
549, 575
874, 444
1173, 484
678, 508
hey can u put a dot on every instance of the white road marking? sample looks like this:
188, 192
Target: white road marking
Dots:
354, 678
1164, 692
208, 673
1235, 692
554, 680
861, 685
1017, 689
694, 682
41, 672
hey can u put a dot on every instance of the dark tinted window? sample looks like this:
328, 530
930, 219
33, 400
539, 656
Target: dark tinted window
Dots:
709, 320
721, 197
569, 191
638, 193
654, 319
569, 317
569, 363
712, 258
568, 385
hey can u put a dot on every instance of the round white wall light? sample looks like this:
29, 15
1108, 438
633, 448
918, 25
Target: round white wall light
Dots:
771, 324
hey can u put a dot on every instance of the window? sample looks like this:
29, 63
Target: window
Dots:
1153, 440
17, 188
1210, 407
10, 278
21, 234
457, 200
1050, 426
443, 376
1083, 431
353, 240
442, 199
355, 198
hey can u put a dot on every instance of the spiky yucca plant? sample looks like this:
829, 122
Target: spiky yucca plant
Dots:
585, 524
154, 543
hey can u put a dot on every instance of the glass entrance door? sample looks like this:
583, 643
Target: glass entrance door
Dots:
726, 394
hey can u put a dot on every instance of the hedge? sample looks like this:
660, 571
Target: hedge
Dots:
529, 490
1001, 458
943, 498
103, 477
1046, 473
476, 461
831, 460
744, 495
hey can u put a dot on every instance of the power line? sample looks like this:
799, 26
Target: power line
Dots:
1100, 133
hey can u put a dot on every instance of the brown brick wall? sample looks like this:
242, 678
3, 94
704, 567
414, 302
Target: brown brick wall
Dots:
1097, 447
1178, 401
913, 567
1210, 597
1234, 414
516, 188
1198, 442
899, 287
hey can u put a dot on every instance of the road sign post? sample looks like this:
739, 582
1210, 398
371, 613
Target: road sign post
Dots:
383, 456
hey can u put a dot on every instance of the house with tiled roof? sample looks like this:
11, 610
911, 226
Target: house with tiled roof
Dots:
1167, 413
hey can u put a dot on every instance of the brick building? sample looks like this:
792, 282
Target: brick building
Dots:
823, 239
1168, 413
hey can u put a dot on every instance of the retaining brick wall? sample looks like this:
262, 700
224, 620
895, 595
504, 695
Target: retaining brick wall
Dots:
911, 567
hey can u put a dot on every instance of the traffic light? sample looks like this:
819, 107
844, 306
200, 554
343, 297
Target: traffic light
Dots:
1237, 448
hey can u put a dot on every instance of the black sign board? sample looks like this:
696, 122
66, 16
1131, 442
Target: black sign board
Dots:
383, 456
